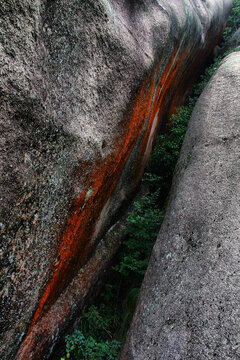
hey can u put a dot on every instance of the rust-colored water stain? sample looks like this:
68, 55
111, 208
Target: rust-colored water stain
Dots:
103, 180
75, 245
77, 241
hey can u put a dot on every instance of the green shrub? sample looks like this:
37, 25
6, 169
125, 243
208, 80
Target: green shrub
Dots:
233, 21
80, 347
93, 340
142, 227
166, 152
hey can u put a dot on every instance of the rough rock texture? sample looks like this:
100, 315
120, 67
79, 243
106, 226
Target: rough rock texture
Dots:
83, 85
189, 302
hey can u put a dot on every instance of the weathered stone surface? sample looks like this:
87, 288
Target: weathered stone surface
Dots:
83, 85
189, 303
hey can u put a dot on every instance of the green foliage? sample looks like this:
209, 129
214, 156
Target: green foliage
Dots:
97, 322
165, 154
233, 21
93, 340
142, 227
80, 347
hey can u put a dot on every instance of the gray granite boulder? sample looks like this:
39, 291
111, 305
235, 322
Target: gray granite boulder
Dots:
84, 86
189, 302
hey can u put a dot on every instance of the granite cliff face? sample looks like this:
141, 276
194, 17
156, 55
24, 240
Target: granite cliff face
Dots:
189, 301
84, 86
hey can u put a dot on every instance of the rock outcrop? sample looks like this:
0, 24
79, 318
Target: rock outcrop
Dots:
84, 86
189, 302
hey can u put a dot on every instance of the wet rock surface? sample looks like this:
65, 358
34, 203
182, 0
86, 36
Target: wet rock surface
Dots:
189, 301
84, 86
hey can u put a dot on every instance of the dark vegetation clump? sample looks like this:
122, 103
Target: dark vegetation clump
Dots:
233, 23
103, 327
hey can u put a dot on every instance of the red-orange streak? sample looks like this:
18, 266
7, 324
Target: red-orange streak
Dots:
103, 180
73, 238
165, 83
196, 61
80, 226
77, 223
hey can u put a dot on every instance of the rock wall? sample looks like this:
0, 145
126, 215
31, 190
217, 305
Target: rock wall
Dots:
189, 301
84, 86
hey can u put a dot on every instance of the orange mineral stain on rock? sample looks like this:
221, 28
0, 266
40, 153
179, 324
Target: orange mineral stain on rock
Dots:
76, 245
40, 338
77, 239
